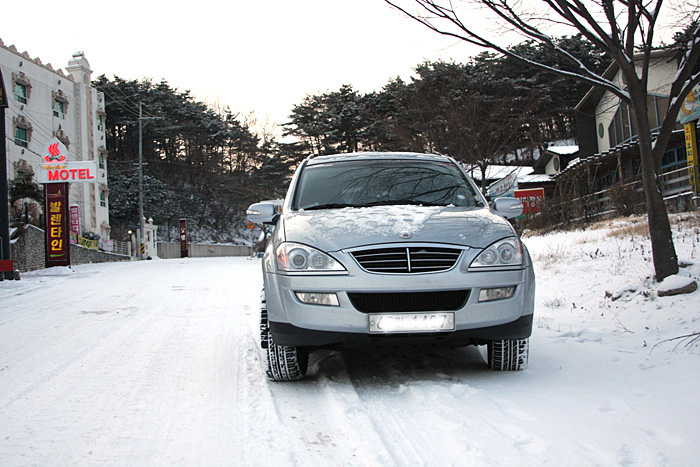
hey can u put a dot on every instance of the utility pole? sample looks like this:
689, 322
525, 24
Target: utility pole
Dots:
141, 226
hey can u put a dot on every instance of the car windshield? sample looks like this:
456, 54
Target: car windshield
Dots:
382, 183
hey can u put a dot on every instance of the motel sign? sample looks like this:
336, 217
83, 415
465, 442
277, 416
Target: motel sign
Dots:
55, 168
56, 172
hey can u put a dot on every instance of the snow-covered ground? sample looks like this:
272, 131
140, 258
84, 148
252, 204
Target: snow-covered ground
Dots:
157, 363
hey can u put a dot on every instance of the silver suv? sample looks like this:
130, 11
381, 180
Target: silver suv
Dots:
373, 249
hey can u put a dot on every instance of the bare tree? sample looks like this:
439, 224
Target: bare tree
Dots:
625, 30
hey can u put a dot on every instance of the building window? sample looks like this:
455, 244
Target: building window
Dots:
59, 109
21, 87
60, 103
102, 160
674, 159
103, 198
21, 138
23, 130
622, 128
20, 92
99, 122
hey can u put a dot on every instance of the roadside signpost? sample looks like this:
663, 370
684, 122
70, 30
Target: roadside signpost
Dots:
184, 253
56, 172
56, 213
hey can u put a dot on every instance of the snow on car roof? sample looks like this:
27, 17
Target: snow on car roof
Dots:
374, 156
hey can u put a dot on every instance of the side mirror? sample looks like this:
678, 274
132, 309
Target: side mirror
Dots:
508, 207
262, 213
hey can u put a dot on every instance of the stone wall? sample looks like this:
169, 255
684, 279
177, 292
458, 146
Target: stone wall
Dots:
28, 251
82, 255
27, 248
167, 250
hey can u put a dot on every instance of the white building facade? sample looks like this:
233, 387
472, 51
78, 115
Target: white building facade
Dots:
45, 103
613, 117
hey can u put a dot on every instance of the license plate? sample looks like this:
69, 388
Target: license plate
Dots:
411, 322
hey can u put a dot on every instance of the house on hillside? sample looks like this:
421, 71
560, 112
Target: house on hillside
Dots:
605, 174
507, 180
46, 103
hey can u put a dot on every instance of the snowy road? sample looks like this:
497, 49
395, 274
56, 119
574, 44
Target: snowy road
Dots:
157, 363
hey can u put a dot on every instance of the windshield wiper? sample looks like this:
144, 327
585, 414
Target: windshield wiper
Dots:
403, 202
395, 202
331, 206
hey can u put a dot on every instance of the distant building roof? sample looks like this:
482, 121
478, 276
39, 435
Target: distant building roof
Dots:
497, 172
563, 150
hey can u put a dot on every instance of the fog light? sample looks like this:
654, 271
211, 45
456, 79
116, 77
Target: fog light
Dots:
313, 298
486, 295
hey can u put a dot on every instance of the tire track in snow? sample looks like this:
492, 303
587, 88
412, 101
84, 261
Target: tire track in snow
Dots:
404, 416
326, 425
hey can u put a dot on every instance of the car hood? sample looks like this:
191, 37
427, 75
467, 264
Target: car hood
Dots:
338, 229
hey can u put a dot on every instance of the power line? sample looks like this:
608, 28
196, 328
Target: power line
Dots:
131, 107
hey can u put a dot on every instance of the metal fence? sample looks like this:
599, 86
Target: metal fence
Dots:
122, 248
680, 193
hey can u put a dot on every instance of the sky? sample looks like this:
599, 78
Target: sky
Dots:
262, 56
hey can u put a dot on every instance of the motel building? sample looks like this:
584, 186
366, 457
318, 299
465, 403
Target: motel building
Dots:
46, 104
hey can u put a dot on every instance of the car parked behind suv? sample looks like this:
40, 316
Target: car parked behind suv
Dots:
374, 248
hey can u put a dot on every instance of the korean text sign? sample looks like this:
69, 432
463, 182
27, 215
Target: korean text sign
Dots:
56, 209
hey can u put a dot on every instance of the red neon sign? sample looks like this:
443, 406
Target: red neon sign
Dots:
54, 154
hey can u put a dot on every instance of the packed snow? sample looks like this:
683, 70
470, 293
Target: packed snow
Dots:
366, 222
157, 363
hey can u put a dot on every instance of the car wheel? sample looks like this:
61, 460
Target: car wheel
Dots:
508, 355
283, 363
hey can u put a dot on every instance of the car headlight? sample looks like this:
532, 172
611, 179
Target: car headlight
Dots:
506, 252
294, 257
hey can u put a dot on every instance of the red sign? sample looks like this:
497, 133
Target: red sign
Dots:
70, 174
531, 199
54, 153
56, 209
74, 223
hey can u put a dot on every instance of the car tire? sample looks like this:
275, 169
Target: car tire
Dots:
283, 363
508, 355
264, 327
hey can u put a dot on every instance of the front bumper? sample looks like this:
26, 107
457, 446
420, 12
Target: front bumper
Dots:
290, 335
294, 323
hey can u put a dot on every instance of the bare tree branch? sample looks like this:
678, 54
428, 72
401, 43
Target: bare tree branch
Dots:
438, 12
629, 42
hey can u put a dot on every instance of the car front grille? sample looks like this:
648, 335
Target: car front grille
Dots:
407, 260
408, 302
